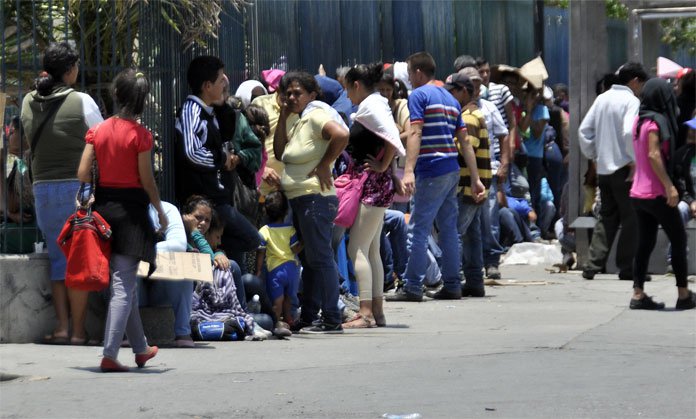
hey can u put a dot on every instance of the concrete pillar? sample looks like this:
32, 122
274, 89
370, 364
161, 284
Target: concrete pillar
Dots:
588, 62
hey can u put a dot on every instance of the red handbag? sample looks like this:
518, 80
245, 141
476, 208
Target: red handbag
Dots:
86, 242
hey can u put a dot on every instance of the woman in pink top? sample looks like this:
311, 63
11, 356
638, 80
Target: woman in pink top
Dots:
653, 193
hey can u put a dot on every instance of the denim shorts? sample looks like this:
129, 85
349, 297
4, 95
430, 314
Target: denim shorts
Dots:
54, 202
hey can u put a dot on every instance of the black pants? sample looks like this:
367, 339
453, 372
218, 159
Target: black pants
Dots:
650, 213
616, 211
239, 236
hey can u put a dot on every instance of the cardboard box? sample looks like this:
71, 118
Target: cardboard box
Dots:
180, 266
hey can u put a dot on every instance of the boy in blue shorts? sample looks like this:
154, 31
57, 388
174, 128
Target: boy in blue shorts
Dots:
278, 247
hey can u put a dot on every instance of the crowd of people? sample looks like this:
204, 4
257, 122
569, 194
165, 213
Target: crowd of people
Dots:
450, 174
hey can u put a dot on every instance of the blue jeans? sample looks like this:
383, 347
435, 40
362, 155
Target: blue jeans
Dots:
513, 229
548, 212
176, 293
394, 246
313, 217
54, 202
435, 201
490, 228
469, 227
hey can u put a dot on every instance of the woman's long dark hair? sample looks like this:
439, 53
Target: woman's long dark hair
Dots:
129, 90
59, 58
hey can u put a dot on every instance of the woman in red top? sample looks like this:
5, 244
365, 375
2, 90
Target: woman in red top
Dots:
126, 185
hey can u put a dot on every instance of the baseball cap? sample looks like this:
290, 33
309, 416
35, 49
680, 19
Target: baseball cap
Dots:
459, 81
471, 73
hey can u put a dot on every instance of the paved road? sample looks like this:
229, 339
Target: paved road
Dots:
570, 348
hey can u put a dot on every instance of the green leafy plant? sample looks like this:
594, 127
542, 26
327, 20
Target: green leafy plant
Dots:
680, 33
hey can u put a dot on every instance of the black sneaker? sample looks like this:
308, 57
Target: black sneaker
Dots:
468, 291
322, 329
687, 303
299, 325
588, 274
645, 303
492, 272
444, 294
402, 295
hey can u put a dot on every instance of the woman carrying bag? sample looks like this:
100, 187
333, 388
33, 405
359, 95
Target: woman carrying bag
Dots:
374, 140
125, 187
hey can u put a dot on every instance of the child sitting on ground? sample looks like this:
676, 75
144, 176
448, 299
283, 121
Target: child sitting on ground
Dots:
279, 245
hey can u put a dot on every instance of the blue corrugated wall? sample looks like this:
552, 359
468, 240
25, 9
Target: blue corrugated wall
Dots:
340, 32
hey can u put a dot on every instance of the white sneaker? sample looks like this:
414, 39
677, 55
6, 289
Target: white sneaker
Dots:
261, 331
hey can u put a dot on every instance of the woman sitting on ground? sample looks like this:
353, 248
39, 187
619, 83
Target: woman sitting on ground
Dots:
204, 231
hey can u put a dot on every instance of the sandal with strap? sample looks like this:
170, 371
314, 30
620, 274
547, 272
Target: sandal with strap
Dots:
360, 322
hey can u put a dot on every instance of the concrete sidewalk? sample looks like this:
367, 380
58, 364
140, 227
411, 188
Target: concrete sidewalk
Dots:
570, 348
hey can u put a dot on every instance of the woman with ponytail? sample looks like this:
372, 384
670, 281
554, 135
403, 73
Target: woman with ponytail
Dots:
55, 118
126, 185
374, 140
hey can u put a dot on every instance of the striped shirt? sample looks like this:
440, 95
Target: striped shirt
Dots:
477, 135
500, 95
439, 113
194, 131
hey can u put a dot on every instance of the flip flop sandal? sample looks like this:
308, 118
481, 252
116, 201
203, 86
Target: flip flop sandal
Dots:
55, 340
360, 322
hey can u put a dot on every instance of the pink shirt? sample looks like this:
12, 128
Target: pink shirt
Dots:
646, 184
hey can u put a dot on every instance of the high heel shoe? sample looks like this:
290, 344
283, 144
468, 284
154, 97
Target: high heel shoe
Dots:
141, 359
111, 365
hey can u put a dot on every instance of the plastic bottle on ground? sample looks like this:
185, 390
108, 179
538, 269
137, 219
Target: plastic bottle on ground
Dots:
255, 304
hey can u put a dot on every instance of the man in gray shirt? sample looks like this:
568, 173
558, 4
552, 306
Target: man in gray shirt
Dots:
606, 136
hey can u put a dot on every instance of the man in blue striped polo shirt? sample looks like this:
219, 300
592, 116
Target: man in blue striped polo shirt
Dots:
432, 176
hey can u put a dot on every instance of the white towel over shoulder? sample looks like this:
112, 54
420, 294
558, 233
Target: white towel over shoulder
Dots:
374, 114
